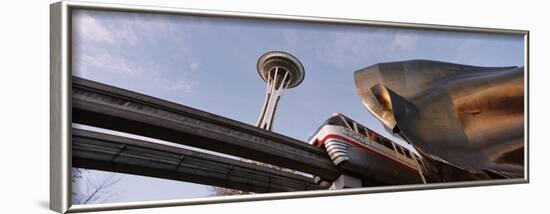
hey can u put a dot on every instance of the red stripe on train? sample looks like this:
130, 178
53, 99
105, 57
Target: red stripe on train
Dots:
339, 137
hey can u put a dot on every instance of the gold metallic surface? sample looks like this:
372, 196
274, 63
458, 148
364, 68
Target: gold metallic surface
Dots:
466, 121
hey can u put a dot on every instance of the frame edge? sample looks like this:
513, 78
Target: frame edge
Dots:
58, 161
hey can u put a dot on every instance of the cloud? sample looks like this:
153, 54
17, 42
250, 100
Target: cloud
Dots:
145, 47
404, 41
185, 84
90, 29
126, 34
182, 85
113, 28
194, 67
107, 61
352, 49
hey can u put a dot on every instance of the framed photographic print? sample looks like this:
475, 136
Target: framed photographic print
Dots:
154, 106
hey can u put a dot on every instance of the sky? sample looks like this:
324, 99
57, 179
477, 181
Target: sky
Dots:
209, 63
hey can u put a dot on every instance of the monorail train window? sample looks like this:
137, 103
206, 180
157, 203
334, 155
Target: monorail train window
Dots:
350, 122
408, 153
336, 120
362, 130
372, 136
387, 143
399, 150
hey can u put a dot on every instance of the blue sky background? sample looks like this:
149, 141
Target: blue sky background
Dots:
210, 64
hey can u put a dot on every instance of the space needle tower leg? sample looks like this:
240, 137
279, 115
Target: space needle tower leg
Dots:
280, 71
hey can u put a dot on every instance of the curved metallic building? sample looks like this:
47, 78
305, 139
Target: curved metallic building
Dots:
467, 122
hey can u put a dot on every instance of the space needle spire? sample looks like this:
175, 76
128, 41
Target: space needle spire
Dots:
280, 71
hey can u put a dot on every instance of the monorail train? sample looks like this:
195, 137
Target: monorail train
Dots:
367, 154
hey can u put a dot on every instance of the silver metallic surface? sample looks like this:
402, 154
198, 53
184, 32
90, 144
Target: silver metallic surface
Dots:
338, 151
60, 108
467, 121
60, 147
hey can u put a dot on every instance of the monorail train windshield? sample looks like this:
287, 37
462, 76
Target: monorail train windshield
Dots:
335, 120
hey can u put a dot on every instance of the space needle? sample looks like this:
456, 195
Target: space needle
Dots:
280, 71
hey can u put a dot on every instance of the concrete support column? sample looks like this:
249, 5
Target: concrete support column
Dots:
345, 181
